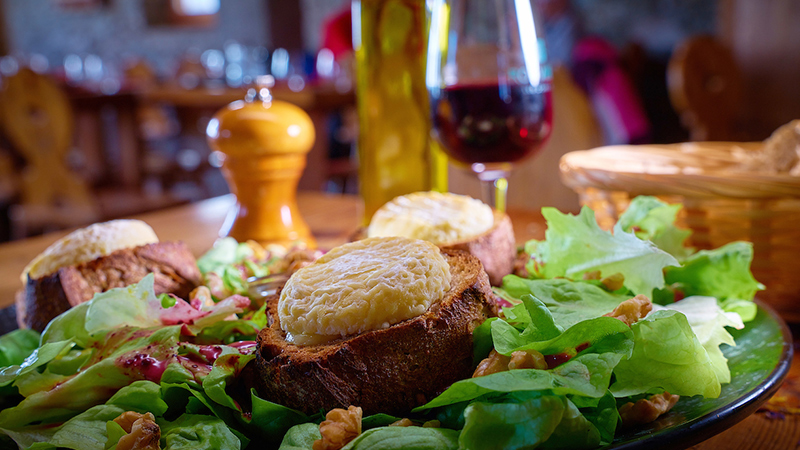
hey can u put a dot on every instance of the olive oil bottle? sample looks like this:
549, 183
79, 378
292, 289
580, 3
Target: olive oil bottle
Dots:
396, 152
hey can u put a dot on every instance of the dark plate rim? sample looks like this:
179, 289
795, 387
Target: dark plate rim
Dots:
692, 432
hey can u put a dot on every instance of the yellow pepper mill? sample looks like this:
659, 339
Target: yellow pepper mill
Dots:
263, 145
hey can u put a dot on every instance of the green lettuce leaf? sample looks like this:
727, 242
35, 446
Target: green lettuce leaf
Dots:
667, 356
653, 220
226, 251
746, 309
36, 359
95, 383
399, 438
300, 437
133, 306
517, 423
272, 419
599, 335
17, 345
587, 375
197, 432
708, 322
89, 429
723, 273
602, 413
569, 302
575, 245
574, 431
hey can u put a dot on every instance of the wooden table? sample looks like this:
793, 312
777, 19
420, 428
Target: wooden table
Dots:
333, 219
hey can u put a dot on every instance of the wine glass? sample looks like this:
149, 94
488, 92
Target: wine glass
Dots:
489, 86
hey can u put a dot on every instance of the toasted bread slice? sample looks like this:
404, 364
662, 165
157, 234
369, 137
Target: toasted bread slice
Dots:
174, 266
496, 248
391, 370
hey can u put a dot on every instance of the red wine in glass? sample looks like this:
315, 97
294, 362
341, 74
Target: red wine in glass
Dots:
492, 123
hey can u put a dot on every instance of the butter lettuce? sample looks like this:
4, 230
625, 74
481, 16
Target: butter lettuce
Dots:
17, 345
568, 302
302, 437
567, 405
521, 421
575, 245
708, 322
197, 432
88, 430
667, 356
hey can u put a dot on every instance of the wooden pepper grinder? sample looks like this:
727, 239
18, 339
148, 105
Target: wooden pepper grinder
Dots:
264, 143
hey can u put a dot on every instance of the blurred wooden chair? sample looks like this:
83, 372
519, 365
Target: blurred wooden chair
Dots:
536, 181
37, 120
706, 89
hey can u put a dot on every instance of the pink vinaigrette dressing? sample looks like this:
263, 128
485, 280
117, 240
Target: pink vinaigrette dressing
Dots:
149, 367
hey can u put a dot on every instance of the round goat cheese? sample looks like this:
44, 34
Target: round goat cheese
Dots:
441, 218
362, 286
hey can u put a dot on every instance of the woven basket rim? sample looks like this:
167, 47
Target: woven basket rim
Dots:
697, 169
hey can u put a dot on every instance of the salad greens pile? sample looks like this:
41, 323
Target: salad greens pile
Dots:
186, 362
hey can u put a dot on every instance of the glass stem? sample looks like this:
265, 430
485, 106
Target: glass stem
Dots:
500, 193
495, 191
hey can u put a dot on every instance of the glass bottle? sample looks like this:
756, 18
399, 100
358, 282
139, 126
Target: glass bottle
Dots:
396, 152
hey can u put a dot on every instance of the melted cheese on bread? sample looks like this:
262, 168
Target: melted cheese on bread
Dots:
441, 218
362, 286
90, 243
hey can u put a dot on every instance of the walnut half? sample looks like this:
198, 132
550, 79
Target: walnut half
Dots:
495, 362
630, 311
339, 427
143, 431
646, 410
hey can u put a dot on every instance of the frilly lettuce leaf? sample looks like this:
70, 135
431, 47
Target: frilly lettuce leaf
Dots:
653, 220
136, 306
667, 356
723, 273
92, 385
575, 245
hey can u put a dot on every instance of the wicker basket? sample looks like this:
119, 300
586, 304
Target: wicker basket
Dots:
721, 204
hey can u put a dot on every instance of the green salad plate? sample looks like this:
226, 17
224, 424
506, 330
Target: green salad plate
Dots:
759, 363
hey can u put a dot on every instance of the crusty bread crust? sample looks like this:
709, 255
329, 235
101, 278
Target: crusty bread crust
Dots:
174, 266
391, 370
496, 248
